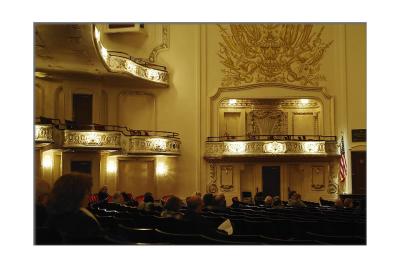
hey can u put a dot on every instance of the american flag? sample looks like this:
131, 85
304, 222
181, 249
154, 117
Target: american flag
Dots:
343, 164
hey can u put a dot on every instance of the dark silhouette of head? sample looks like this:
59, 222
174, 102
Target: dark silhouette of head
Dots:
276, 201
208, 199
173, 204
148, 198
70, 193
220, 200
194, 204
348, 203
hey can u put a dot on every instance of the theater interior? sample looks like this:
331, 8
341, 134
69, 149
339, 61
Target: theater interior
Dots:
241, 112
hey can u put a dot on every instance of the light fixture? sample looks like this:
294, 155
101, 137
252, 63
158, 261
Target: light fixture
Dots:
304, 101
47, 161
161, 169
232, 101
111, 165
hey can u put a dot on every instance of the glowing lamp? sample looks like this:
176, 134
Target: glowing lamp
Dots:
232, 101
47, 161
161, 169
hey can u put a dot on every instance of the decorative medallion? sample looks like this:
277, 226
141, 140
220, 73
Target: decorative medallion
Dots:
284, 53
212, 188
275, 147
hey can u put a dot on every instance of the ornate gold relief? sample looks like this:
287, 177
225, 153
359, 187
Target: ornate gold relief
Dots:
226, 178
283, 53
92, 139
44, 133
163, 45
260, 148
318, 178
151, 145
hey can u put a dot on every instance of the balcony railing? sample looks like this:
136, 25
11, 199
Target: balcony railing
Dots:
110, 137
270, 145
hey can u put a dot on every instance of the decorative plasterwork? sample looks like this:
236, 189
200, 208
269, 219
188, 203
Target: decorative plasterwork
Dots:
271, 103
163, 45
226, 178
44, 133
269, 122
283, 53
159, 145
120, 64
212, 186
264, 148
92, 139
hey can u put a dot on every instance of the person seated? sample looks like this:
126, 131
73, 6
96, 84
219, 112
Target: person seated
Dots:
128, 200
148, 203
193, 216
172, 207
295, 200
277, 203
236, 203
209, 201
268, 201
41, 209
220, 203
103, 194
118, 198
348, 203
68, 213
339, 203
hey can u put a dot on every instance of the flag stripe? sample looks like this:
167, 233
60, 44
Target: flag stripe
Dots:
343, 164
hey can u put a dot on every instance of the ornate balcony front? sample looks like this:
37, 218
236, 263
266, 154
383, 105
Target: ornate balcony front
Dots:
271, 146
44, 133
92, 139
153, 145
122, 140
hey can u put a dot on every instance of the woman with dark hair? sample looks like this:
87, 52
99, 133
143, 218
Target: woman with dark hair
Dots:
172, 207
67, 209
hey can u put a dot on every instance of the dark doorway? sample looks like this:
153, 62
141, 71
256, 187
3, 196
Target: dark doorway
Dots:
82, 109
359, 172
271, 177
81, 166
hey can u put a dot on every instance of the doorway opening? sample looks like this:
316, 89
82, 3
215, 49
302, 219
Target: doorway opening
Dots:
271, 180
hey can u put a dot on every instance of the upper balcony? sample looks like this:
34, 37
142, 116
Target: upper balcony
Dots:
106, 137
270, 146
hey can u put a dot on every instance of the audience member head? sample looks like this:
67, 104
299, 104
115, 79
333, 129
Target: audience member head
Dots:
339, 203
220, 200
197, 194
104, 189
70, 193
194, 204
235, 200
348, 203
208, 199
173, 204
298, 197
268, 200
148, 198
293, 195
276, 201
118, 198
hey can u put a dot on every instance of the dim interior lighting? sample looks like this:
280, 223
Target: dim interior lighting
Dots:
161, 169
232, 101
304, 101
40, 74
111, 165
47, 161
97, 34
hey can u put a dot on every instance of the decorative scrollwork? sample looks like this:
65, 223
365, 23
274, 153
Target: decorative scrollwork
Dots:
284, 53
43, 133
89, 139
332, 188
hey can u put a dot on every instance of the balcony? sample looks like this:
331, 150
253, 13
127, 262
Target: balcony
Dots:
270, 146
123, 140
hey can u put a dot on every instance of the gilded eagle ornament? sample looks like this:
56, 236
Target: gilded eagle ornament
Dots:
281, 53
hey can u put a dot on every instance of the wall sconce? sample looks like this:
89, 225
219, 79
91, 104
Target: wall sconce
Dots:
161, 169
47, 161
111, 165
